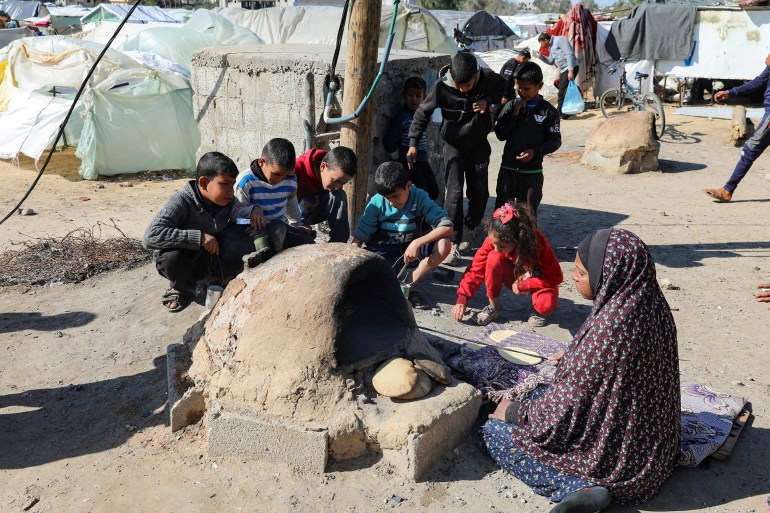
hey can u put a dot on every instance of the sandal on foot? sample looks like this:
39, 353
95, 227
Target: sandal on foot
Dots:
175, 301
485, 316
536, 320
721, 195
417, 300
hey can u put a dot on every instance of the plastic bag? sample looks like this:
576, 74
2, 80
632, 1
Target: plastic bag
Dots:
573, 100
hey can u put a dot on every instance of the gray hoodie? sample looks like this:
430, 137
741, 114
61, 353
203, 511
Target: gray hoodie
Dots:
183, 220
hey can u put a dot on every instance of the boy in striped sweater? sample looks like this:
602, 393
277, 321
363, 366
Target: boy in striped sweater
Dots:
269, 184
391, 226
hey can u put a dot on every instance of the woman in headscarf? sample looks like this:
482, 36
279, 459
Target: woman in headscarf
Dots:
607, 428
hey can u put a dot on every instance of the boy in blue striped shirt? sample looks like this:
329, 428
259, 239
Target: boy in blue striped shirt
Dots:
270, 185
391, 226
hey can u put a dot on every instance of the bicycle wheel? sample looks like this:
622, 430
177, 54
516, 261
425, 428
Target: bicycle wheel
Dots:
611, 102
652, 102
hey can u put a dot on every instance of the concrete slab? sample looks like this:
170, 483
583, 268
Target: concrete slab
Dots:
244, 434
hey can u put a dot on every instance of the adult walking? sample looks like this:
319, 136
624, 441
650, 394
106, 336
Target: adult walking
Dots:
562, 55
607, 428
756, 144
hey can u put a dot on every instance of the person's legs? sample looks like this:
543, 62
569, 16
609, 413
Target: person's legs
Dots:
750, 152
454, 160
422, 176
332, 208
563, 83
476, 174
437, 254
533, 190
544, 301
235, 242
506, 187
498, 272
543, 480
183, 267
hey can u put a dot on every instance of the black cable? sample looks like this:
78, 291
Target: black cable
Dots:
69, 113
332, 69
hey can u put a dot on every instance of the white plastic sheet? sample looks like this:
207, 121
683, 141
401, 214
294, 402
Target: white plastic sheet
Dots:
176, 45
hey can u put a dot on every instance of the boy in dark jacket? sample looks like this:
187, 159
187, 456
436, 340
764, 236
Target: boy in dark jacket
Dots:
194, 234
467, 96
530, 127
396, 139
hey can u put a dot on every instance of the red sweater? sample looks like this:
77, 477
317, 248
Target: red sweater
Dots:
549, 276
308, 182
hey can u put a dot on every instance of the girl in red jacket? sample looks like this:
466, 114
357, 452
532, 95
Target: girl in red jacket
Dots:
517, 255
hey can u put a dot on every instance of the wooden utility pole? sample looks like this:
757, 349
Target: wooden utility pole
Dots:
360, 70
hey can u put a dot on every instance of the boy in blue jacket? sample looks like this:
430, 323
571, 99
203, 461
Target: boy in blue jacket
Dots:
391, 226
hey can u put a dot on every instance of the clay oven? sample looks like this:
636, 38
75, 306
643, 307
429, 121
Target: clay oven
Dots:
282, 367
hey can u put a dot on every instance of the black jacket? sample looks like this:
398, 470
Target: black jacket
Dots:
460, 126
537, 130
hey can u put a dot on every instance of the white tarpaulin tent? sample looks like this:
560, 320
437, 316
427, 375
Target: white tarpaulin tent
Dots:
730, 43
416, 29
133, 118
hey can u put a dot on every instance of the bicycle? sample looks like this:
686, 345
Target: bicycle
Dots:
616, 100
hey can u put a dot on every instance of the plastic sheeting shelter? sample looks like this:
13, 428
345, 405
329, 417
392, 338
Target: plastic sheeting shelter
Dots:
133, 118
416, 29
23, 9
488, 32
114, 12
729, 44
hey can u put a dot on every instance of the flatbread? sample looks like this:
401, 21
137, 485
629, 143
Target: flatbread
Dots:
395, 377
519, 356
422, 388
500, 335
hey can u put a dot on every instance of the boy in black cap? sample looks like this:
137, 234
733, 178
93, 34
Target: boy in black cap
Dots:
509, 68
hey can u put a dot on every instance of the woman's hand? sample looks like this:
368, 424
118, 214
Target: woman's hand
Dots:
554, 358
499, 413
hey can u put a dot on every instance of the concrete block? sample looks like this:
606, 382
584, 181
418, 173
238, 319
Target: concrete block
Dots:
244, 434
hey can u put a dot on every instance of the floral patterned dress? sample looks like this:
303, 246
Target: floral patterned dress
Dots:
611, 416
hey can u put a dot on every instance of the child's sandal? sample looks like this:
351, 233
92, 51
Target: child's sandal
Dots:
487, 315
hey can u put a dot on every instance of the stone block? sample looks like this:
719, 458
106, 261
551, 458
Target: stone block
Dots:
624, 143
244, 434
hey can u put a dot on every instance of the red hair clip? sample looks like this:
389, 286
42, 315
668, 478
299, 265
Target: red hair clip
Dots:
505, 213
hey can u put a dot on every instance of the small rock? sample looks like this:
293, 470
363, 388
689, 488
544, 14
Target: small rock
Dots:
738, 383
129, 427
126, 185
59, 334
666, 284
663, 213
214, 466
99, 186
84, 198
523, 500
27, 211
456, 451
436, 312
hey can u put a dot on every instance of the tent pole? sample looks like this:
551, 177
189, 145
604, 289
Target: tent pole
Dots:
360, 70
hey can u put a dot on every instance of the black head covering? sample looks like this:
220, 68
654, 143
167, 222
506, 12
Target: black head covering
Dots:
591, 253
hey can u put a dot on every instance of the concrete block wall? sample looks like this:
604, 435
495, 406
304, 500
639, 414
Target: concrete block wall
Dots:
247, 95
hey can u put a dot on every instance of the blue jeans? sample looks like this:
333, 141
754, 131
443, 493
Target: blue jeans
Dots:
751, 152
543, 480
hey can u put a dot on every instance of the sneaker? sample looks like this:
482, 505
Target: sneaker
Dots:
487, 315
469, 238
417, 300
536, 320
454, 259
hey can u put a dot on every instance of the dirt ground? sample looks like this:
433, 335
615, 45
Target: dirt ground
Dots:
83, 419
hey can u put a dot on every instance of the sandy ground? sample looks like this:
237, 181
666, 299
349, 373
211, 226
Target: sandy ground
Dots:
82, 387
